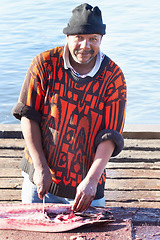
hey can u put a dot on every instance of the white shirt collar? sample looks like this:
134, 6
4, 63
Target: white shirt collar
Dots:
95, 69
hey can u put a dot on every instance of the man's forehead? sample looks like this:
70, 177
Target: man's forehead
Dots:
86, 35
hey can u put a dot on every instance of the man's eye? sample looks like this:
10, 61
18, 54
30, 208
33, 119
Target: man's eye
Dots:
79, 37
94, 39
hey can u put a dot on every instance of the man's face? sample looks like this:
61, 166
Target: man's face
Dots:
83, 48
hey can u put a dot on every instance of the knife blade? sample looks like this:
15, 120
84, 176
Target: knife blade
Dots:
44, 204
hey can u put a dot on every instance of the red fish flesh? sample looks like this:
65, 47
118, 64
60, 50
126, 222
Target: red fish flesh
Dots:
57, 217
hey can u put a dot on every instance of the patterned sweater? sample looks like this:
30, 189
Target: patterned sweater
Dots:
75, 115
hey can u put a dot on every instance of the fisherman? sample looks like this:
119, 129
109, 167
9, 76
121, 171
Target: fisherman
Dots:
72, 111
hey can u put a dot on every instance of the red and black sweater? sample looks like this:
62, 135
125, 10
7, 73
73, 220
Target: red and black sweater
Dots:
75, 115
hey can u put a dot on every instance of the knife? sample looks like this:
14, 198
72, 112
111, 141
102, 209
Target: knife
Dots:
43, 204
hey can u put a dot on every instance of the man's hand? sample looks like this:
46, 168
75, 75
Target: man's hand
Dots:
42, 175
86, 191
43, 179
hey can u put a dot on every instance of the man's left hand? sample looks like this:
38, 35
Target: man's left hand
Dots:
86, 191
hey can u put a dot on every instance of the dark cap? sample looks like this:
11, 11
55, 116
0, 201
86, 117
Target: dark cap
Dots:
85, 20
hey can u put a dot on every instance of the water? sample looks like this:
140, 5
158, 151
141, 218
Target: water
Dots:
132, 41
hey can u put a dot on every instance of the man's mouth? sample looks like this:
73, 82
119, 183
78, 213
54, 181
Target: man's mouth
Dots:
83, 52
85, 56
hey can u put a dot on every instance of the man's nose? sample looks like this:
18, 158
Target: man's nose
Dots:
85, 44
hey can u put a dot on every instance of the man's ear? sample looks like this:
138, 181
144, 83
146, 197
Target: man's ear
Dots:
67, 36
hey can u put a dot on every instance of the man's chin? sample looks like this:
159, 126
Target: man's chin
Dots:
82, 61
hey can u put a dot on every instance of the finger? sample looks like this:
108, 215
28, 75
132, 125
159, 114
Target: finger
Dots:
87, 206
41, 192
41, 195
39, 189
84, 204
76, 201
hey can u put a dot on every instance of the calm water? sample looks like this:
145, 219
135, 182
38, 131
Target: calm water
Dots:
132, 41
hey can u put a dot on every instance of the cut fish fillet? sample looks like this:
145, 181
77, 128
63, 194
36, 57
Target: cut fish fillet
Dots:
57, 217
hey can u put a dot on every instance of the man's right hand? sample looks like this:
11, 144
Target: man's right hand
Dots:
42, 175
43, 179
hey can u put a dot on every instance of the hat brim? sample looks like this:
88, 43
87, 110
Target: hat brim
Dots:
85, 29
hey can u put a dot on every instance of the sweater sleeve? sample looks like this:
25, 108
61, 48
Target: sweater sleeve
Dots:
114, 113
32, 94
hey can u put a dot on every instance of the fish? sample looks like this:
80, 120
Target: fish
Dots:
56, 217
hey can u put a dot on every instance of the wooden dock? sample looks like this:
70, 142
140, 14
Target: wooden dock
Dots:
133, 177
132, 190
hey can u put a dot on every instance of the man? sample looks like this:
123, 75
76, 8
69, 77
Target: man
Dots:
72, 107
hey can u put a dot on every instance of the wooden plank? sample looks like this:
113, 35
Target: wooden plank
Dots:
140, 143
10, 201
129, 196
110, 196
136, 143
111, 173
9, 153
133, 204
133, 165
9, 172
133, 173
119, 199
12, 183
132, 184
134, 160
10, 143
10, 195
5, 162
142, 155
14, 162
108, 204
111, 184
9, 162
139, 154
